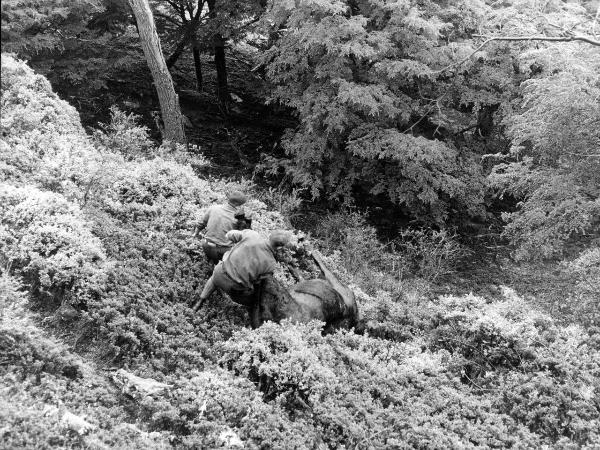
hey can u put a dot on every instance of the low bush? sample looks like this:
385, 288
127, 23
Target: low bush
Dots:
430, 254
45, 385
426, 253
45, 238
544, 376
43, 142
124, 135
287, 203
583, 302
205, 405
365, 392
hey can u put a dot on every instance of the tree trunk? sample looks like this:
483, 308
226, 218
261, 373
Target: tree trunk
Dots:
188, 36
222, 89
197, 67
169, 102
219, 47
171, 60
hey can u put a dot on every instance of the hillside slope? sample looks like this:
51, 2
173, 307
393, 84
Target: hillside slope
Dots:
97, 276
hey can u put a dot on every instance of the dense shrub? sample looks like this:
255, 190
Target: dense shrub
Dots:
204, 405
124, 135
362, 391
43, 383
427, 253
42, 139
45, 238
584, 301
544, 376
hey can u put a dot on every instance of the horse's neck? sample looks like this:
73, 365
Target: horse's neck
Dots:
341, 289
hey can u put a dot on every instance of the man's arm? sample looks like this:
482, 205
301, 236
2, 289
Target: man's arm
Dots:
202, 224
234, 236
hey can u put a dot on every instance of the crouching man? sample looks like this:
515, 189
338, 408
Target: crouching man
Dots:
244, 267
218, 220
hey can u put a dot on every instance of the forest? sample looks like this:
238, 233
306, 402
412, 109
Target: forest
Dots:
443, 156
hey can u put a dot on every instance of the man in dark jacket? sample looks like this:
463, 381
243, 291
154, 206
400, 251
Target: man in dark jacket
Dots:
245, 266
218, 220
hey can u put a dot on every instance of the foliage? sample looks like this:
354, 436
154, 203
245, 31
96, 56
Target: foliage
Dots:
286, 203
359, 75
428, 253
365, 391
554, 163
32, 27
43, 141
123, 135
584, 300
44, 382
425, 253
205, 404
45, 239
86, 48
546, 377
232, 20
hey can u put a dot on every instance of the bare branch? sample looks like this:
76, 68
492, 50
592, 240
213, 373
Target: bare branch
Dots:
168, 18
587, 39
596, 19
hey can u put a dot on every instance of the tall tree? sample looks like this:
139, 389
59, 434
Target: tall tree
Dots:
361, 75
169, 101
552, 168
220, 62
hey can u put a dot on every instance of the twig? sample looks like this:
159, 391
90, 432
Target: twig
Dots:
587, 39
435, 104
596, 21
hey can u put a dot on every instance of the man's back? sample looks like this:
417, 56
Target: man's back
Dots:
250, 259
218, 221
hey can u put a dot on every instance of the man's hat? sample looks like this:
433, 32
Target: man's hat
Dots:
236, 198
279, 238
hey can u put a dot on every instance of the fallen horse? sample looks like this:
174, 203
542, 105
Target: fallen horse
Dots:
327, 300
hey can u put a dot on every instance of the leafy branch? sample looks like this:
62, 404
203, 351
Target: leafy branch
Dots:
586, 39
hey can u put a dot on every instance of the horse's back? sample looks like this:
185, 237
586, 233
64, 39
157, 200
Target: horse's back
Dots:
307, 300
318, 300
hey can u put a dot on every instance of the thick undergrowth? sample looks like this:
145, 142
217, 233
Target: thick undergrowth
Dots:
98, 272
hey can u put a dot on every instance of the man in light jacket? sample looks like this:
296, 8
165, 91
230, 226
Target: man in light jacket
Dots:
218, 220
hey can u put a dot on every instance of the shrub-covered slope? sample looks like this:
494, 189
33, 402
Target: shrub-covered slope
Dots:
96, 228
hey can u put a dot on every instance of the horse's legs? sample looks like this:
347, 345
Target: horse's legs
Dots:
255, 310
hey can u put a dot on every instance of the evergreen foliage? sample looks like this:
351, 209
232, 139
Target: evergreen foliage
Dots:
360, 76
555, 159
87, 49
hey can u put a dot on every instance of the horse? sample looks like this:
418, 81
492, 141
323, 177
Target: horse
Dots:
327, 300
